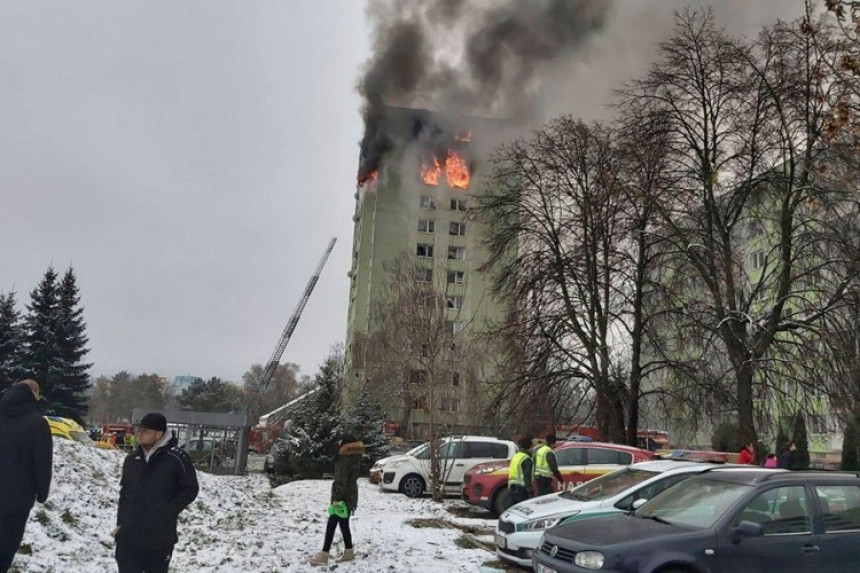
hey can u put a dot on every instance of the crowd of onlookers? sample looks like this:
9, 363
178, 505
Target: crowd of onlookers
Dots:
785, 460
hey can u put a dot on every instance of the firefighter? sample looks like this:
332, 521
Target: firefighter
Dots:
546, 467
520, 474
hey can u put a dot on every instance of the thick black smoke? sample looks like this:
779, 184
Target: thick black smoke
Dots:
465, 56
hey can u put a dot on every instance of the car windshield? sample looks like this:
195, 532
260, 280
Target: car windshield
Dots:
81, 437
608, 485
696, 502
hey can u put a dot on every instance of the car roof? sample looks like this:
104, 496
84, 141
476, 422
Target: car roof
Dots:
749, 475
475, 438
672, 465
620, 447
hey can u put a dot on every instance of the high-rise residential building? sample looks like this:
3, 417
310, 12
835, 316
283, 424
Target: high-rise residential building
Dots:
413, 206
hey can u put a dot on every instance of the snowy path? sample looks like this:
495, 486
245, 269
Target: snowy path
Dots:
240, 524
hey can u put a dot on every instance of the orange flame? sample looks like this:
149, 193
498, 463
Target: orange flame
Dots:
369, 178
457, 170
431, 174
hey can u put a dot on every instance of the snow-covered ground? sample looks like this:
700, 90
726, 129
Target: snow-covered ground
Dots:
241, 524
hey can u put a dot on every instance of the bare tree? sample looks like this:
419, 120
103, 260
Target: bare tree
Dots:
554, 221
419, 355
748, 227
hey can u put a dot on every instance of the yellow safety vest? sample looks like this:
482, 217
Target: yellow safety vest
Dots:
515, 471
541, 464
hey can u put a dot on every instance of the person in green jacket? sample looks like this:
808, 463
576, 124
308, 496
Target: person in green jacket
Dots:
344, 498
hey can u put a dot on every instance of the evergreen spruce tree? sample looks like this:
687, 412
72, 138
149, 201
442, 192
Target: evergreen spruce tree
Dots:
366, 420
42, 358
11, 341
71, 390
310, 450
800, 439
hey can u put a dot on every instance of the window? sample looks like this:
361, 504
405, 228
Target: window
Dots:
453, 327
457, 253
451, 450
450, 404
493, 450
455, 379
419, 403
818, 424
757, 259
458, 204
422, 350
840, 507
610, 484
603, 456
570, 457
417, 377
423, 275
427, 202
457, 229
425, 226
455, 302
423, 299
456, 277
650, 491
781, 510
425, 250
452, 353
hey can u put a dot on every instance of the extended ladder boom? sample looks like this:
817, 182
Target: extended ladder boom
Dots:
268, 372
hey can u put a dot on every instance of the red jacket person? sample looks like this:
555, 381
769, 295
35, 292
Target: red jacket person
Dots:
158, 482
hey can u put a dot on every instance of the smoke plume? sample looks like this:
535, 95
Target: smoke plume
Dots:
481, 57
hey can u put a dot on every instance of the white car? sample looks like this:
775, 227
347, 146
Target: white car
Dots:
410, 473
519, 529
375, 473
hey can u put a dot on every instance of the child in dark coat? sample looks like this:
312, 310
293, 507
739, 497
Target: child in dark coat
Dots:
344, 498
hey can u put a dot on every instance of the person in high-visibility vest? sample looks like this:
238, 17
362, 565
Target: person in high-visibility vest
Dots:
520, 474
546, 467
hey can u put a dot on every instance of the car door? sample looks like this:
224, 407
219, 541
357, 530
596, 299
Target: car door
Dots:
452, 463
839, 524
788, 543
571, 464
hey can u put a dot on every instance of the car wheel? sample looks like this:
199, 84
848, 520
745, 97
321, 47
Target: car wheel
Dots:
500, 501
412, 485
675, 570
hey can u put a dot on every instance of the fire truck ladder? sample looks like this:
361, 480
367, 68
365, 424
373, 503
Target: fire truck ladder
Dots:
274, 361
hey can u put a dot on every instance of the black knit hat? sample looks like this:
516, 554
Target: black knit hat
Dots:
154, 421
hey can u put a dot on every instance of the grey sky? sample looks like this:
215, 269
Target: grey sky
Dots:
191, 160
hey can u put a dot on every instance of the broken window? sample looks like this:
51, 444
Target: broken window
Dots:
455, 302
428, 202
425, 250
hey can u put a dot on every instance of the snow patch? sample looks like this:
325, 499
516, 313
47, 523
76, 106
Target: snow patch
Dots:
239, 523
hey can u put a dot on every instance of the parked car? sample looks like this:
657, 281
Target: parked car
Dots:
410, 473
486, 485
519, 529
68, 429
726, 519
375, 474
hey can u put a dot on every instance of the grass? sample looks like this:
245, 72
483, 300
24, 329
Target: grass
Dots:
42, 517
68, 518
420, 523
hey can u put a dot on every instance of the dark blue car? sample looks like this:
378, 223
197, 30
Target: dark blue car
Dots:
725, 519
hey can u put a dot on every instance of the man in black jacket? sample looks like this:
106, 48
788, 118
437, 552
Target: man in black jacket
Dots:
158, 482
26, 455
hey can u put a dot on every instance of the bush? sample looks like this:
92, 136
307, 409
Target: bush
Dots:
726, 438
800, 439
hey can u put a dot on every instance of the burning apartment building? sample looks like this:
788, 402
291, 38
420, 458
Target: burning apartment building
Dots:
420, 299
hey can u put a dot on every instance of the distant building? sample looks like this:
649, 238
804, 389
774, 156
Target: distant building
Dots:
180, 383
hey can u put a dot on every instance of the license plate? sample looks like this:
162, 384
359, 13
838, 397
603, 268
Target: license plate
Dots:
501, 541
545, 569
